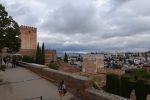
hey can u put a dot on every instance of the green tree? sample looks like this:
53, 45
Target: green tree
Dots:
40, 54
66, 57
43, 54
9, 32
37, 54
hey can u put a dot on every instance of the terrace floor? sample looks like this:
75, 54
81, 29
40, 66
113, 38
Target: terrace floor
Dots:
22, 84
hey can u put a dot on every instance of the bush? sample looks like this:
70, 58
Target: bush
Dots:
17, 57
137, 73
126, 86
113, 84
96, 83
137, 79
53, 66
28, 59
140, 90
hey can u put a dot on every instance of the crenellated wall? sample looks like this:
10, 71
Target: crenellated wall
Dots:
78, 85
28, 37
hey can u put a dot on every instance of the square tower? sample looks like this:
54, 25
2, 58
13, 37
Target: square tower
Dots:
28, 37
92, 62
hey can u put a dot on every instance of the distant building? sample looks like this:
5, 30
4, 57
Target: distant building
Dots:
50, 56
28, 38
92, 62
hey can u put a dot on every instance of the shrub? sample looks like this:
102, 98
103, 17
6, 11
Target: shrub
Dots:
96, 83
137, 73
53, 66
28, 59
113, 84
17, 57
137, 79
126, 86
140, 90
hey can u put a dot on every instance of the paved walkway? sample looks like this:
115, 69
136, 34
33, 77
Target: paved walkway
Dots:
20, 84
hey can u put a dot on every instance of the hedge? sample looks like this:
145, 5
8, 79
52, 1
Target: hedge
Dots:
140, 90
113, 84
123, 85
126, 86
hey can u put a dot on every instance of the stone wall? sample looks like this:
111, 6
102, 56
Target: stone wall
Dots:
110, 70
29, 52
78, 85
50, 56
66, 67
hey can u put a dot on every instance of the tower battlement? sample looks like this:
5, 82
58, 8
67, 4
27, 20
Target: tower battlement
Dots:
28, 28
28, 37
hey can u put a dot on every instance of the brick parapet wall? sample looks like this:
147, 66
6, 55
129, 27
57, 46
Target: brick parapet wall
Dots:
78, 85
68, 67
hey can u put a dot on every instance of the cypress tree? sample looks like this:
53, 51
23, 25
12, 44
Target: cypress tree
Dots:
37, 54
66, 58
43, 54
40, 56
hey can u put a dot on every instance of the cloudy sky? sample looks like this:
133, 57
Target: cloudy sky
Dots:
86, 25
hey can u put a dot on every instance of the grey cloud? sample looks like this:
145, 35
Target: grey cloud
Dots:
81, 25
70, 18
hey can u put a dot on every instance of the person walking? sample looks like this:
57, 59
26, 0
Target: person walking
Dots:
62, 89
5, 60
13, 62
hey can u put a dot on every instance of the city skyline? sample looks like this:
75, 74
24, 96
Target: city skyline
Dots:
86, 25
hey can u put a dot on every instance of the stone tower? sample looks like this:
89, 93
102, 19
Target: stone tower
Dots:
28, 37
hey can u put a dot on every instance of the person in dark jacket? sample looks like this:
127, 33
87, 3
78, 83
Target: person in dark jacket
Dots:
13, 63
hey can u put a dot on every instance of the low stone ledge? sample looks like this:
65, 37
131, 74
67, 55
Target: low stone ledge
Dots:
94, 94
80, 86
68, 74
32, 65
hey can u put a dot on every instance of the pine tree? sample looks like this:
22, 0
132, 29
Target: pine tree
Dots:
66, 58
43, 54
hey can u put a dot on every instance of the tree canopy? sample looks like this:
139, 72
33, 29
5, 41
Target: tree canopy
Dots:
66, 58
9, 31
40, 54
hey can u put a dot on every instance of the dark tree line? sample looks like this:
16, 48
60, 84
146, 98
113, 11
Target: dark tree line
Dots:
66, 58
40, 54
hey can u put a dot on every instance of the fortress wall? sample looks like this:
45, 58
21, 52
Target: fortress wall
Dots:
28, 37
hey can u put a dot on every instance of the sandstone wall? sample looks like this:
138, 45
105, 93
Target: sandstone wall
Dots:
29, 52
28, 37
78, 85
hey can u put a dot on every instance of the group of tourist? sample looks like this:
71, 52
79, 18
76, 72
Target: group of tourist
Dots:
8, 60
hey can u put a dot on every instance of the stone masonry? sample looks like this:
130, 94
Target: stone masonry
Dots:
29, 42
